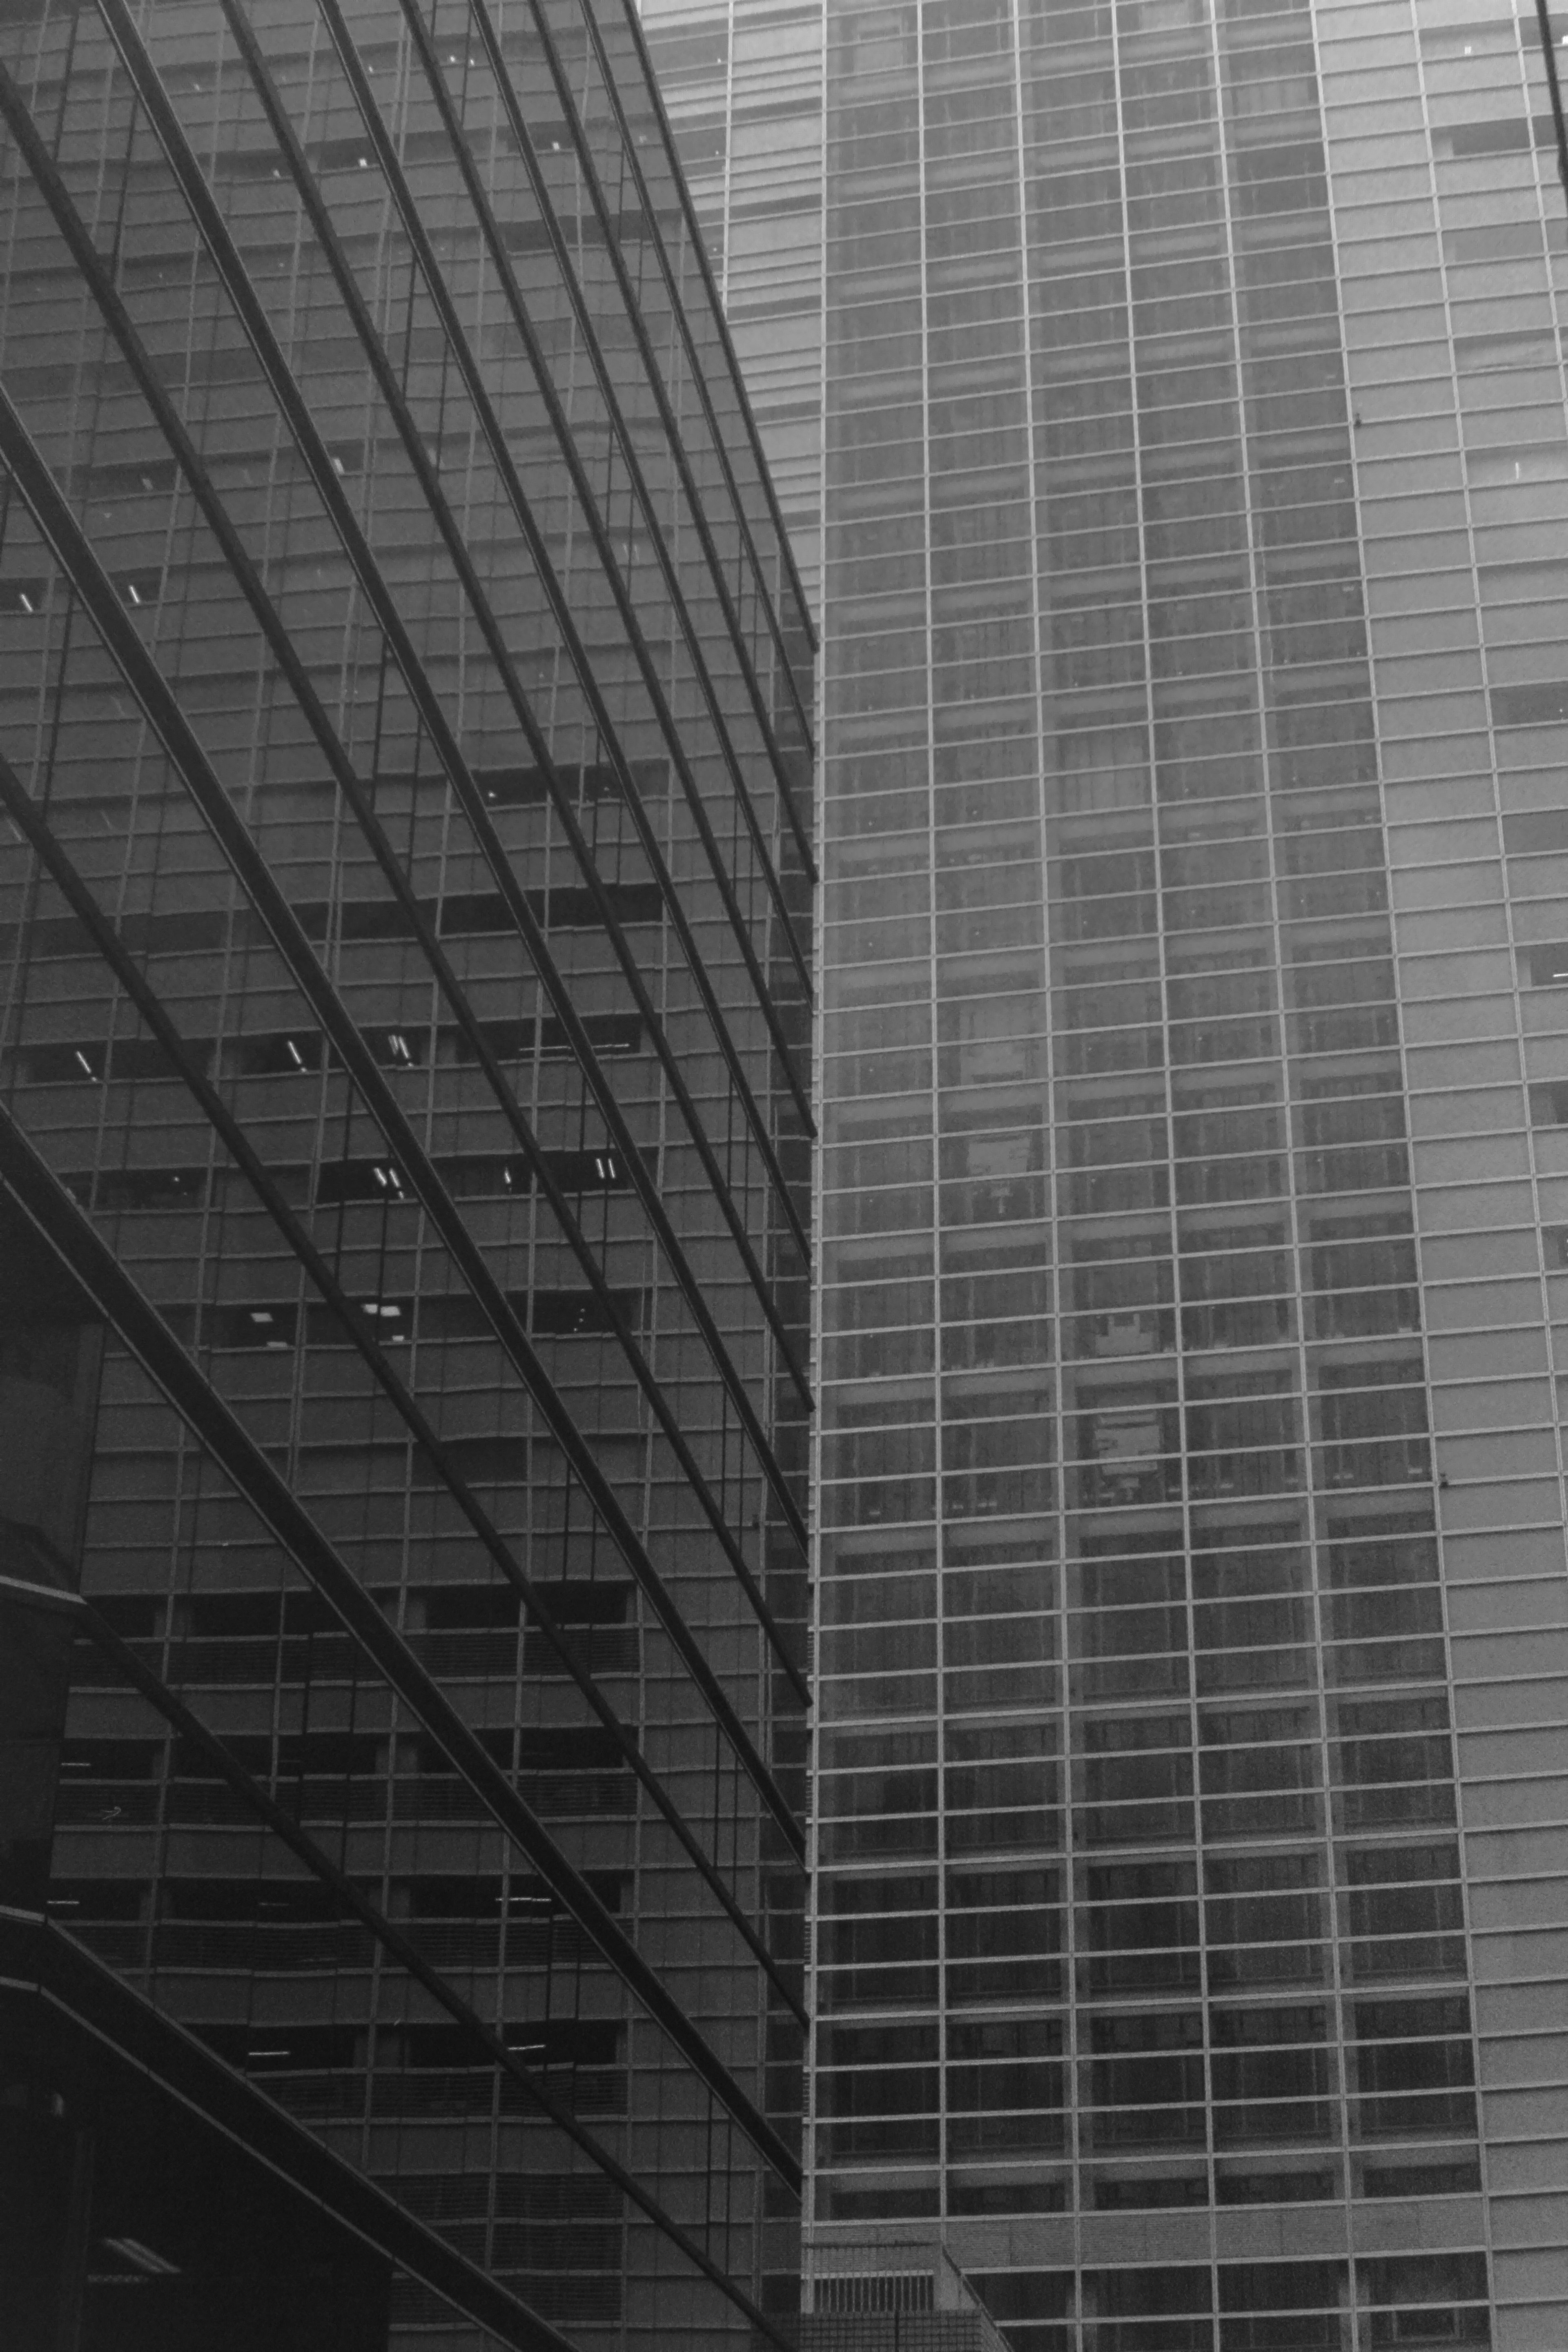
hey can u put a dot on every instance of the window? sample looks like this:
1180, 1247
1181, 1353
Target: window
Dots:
1004, 1935
1005, 2084
1264, 1918
1143, 1926
1264, 1790
1145, 2080
872, 1952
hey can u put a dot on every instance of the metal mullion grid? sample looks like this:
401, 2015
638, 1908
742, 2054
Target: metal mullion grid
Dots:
601, 100
1557, 1351
640, 2064
620, 433
321, 726
814, 1280
427, 1255
164, 616
69, 1233
46, 725
632, 25
1315, 1529
168, 1573
313, 1260
1555, 90
215, 233
750, 557
1057, 1362
78, 430
430, 1089
1280, 1071
1074, 2107
824, 1279
1150, 2001
1426, 1359
939, 1529
1172, 1213
390, 1939
818, 1276
653, 1684
720, 290
1515, 998
1307, 1499
461, 348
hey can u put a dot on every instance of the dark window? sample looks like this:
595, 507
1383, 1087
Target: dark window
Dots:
142, 585
150, 1188
1547, 967
382, 1181
595, 1619
284, 1052
570, 1314
272, 1323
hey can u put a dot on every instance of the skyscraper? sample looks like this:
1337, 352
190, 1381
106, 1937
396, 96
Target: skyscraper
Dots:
1190, 1921
405, 692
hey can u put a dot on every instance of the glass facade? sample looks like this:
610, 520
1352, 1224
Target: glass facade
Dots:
742, 83
1190, 1912
405, 712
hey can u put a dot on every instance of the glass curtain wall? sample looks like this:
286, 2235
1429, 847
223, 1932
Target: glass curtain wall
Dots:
411, 987
1139, 1956
742, 80
1452, 236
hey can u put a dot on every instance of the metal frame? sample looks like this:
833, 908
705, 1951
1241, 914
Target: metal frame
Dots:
215, 235
38, 1959
65, 1230
1554, 89
68, 220
462, 350
353, 1900
633, 24
152, 691
699, 374
30, 822
1218, 1224
577, 131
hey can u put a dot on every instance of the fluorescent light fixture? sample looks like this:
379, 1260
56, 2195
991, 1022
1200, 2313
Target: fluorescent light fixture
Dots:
131, 2249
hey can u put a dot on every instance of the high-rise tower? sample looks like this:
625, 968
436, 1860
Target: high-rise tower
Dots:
1190, 1940
404, 718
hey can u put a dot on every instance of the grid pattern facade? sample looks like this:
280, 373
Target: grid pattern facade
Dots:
1189, 1917
743, 80
405, 706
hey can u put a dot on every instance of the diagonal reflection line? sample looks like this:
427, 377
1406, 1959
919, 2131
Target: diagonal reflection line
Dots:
630, 23
463, 352
1554, 89
74, 230
426, 472
152, 691
70, 1233
354, 1899
214, 231
609, 229
30, 821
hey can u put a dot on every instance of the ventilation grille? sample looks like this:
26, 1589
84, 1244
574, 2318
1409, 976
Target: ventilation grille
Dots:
872, 2291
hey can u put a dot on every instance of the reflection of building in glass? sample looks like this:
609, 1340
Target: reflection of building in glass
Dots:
405, 697
1191, 1582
